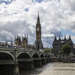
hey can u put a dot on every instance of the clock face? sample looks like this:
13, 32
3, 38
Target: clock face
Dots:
37, 29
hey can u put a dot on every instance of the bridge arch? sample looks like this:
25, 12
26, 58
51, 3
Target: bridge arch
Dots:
42, 55
36, 60
6, 63
6, 55
23, 55
25, 61
35, 55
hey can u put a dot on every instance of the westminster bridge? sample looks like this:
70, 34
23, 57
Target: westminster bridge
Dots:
14, 60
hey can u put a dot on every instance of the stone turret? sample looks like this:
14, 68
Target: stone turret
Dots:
18, 41
24, 41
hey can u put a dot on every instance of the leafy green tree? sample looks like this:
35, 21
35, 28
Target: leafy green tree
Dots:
47, 50
52, 50
66, 49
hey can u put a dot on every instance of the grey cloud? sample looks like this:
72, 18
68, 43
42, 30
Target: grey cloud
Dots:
15, 28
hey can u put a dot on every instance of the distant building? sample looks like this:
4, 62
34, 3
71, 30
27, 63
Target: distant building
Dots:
18, 41
21, 42
2, 44
6, 44
31, 46
58, 43
25, 42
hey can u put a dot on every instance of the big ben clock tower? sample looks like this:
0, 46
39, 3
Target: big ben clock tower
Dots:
38, 41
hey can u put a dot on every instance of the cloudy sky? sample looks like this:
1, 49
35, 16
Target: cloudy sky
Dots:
18, 17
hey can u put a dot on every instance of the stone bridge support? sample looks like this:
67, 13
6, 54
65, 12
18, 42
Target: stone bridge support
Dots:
42, 59
47, 59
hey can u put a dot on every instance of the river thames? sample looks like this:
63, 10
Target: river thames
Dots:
54, 69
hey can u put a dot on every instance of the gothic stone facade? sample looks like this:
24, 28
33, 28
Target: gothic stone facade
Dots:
21, 42
57, 44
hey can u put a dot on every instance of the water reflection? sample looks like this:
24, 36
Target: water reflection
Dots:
36, 71
54, 69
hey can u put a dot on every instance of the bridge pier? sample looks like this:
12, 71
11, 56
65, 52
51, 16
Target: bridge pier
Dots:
25, 66
36, 60
42, 59
37, 63
16, 69
47, 59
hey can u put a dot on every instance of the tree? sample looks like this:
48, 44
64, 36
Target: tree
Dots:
52, 50
47, 50
66, 49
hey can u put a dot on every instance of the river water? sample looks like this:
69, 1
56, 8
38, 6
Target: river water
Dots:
54, 69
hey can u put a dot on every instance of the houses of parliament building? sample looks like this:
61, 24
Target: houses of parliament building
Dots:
23, 42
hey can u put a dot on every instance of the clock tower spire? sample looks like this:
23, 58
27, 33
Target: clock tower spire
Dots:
38, 41
38, 29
